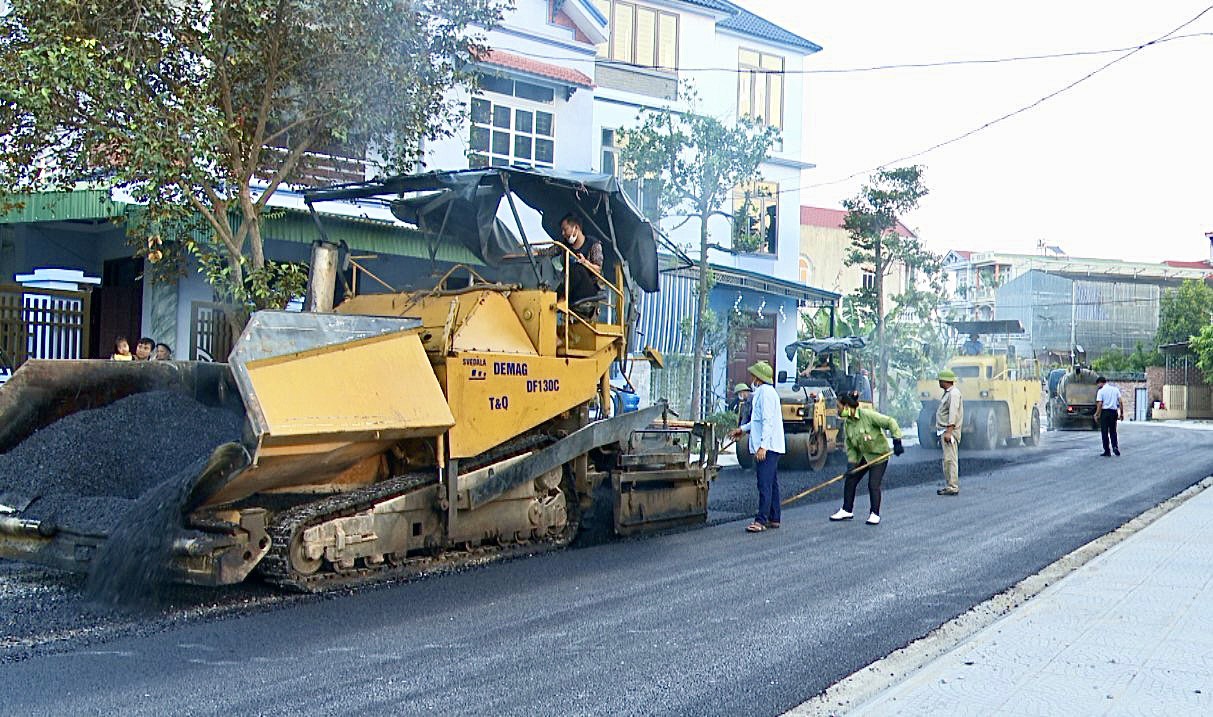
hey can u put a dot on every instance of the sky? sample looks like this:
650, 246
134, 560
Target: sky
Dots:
1119, 167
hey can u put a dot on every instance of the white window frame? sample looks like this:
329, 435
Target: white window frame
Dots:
749, 75
764, 195
515, 104
632, 57
638, 190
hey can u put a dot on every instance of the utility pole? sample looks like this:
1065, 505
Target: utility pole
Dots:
882, 384
1073, 320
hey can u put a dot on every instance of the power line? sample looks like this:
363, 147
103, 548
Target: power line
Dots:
871, 68
1013, 113
995, 60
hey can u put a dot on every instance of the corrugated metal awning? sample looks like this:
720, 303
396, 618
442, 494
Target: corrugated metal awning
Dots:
82, 204
742, 279
288, 224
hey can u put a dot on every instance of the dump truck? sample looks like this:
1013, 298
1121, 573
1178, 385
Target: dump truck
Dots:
809, 404
409, 431
1002, 393
1072, 402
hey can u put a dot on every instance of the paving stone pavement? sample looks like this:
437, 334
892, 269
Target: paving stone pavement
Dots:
1129, 633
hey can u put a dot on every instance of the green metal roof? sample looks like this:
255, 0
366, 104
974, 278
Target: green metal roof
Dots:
82, 204
293, 225
369, 235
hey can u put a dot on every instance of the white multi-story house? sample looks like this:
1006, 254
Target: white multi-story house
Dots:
534, 106
560, 78
740, 65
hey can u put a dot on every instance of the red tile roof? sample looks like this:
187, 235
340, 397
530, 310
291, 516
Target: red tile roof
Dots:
833, 218
510, 61
1189, 264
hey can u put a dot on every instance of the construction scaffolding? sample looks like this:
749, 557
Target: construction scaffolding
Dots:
1060, 312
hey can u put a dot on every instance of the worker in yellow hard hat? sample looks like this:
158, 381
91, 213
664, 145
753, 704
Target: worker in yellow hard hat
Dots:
741, 395
766, 443
949, 419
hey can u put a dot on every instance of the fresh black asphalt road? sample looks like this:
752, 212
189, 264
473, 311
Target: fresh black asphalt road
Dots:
709, 621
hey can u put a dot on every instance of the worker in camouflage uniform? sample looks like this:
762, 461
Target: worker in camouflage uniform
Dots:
867, 453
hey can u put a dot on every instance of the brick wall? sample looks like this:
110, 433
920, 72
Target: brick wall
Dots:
1128, 395
1155, 378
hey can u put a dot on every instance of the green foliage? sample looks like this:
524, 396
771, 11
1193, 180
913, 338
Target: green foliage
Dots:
1201, 344
201, 109
914, 332
1184, 312
723, 421
748, 231
871, 221
699, 161
1137, 361
872, 216
918, 345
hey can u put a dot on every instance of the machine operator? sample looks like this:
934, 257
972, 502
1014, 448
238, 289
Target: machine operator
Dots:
585, 252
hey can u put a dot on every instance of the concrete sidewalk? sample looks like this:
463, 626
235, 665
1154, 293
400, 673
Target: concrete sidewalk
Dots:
1128, 633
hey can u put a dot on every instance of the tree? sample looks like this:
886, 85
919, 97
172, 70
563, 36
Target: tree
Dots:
700, 161
1184, 312
1137, 361
202, 109
872, 217
1201, 344
914, 331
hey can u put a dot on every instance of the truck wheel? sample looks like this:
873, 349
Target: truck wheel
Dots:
798, 453
745, 459
1033, 437
988, 437
926, 434
819, 450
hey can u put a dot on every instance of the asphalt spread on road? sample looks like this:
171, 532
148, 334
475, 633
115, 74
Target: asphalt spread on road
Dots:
708, 621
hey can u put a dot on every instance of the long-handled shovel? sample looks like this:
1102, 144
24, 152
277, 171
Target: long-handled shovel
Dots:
835, 479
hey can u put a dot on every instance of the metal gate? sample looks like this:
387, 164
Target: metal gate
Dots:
1141, 404
210, 332
42, 323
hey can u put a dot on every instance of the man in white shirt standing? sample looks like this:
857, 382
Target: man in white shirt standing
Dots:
766, 444
1108, 409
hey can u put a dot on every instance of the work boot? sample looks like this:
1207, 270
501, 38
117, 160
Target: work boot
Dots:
1116, 451
947, 491
842, 515
873, 519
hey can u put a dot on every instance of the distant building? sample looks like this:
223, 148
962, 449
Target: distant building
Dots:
1097, 312
972, 279
824, 245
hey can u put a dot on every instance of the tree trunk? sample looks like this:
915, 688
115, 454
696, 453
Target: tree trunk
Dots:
882, 384
235, 314
701, 309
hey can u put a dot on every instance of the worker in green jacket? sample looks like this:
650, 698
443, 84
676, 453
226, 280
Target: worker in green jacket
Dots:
866, 442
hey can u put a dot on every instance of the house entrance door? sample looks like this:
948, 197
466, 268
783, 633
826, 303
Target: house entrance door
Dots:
117, 306
756, 343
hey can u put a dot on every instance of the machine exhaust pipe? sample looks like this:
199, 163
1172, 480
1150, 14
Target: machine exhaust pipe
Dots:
322, 278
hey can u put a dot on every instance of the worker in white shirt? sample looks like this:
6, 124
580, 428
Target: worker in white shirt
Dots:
766, 444
1108, 409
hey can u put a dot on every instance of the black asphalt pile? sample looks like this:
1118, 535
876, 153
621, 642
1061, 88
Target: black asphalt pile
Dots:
86, 469
132, 569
